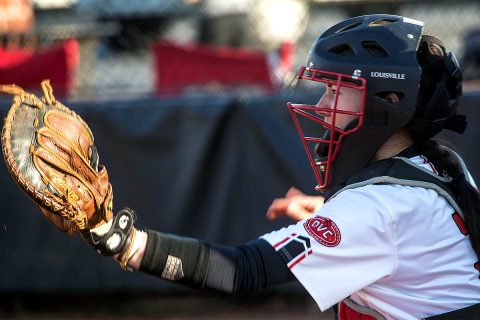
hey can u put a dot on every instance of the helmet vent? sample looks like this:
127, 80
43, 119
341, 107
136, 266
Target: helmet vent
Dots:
349, 27
374, 49
382, 22
343, 50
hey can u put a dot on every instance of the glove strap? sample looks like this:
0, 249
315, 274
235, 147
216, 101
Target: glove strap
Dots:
118, 238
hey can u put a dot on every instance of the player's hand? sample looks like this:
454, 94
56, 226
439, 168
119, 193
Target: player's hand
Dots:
295, 205
118, 238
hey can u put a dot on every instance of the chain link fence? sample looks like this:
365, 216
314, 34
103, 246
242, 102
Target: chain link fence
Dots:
116, 37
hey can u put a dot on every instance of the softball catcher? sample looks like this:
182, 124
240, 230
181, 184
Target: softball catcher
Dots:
396, 232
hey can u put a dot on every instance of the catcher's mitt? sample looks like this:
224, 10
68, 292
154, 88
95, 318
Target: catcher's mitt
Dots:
49, 152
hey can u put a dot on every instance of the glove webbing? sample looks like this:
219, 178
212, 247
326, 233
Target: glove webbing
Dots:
47, 89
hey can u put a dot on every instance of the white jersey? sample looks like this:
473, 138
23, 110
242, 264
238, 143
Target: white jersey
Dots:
400, 250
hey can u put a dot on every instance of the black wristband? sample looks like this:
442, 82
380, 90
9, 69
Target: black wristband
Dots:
180, 259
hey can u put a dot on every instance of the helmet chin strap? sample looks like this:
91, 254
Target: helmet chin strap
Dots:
321, 149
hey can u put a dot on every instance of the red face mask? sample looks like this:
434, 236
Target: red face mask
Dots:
323, 127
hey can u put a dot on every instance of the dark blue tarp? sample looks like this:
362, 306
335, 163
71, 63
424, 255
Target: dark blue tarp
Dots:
206, 167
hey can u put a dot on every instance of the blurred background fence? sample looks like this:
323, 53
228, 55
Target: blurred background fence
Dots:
115, 45
187, 102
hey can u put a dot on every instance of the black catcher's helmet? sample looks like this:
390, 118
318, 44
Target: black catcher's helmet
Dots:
376, 55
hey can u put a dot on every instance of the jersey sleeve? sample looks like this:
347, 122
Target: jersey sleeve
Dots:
347, 245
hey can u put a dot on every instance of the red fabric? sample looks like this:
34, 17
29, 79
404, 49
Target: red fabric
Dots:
27, 69
13, 57
287, 55
345, 313
181, 66
462, 226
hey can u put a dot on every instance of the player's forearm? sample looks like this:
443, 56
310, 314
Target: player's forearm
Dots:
197, 264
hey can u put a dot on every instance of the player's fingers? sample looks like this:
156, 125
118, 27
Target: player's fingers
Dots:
292, 192
277, 208
312, 203
298, 209
293, 208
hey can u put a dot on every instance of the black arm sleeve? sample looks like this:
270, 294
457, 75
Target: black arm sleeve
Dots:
233, 270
